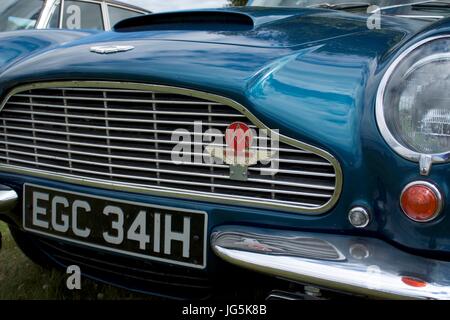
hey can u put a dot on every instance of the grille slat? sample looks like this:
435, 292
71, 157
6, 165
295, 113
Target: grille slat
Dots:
140, 159
123, 137
73, 116
174, 181
117, 100
137, 111
123, 129
186, 173
34, 138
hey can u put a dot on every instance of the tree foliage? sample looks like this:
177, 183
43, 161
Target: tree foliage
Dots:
237, 3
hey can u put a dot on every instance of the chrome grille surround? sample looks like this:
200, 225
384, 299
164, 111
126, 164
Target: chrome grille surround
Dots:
42, 135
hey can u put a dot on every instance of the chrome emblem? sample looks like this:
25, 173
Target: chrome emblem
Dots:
110, 49
237, 153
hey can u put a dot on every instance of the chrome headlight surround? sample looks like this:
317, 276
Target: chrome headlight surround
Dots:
425, 159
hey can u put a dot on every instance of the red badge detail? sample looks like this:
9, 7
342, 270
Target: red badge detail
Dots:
239, 138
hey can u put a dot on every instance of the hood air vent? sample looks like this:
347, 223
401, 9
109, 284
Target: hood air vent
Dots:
188, 20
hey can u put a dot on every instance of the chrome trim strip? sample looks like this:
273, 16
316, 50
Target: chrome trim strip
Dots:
44, 17
168, 192
105, 16
366, 266
379, 109
61, 15
397, 6
412, 16
426, 60
436, 191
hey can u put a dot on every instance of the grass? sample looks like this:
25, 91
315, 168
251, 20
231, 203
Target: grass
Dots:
22, 279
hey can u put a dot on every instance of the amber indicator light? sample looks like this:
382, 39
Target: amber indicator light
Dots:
421, 202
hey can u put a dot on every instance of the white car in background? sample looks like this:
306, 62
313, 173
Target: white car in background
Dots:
64, 14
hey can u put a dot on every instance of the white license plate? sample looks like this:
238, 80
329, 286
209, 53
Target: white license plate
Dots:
165, 234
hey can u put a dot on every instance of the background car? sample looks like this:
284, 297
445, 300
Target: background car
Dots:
429, 10
64, 14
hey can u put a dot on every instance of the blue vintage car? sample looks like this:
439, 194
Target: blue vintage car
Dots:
290, 149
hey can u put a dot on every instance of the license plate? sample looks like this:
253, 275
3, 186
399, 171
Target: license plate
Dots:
165, 234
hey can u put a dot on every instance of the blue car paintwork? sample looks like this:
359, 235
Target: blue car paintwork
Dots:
316, 83
15, 46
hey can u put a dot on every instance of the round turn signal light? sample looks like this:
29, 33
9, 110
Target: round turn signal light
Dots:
421, 201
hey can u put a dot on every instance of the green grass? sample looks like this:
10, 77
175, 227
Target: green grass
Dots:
22, 279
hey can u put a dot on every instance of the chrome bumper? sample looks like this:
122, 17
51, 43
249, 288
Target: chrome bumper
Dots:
8, 199
362, 266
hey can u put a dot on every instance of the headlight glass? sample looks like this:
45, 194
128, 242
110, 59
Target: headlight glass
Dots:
416, 101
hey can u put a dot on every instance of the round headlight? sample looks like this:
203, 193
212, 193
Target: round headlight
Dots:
413, 102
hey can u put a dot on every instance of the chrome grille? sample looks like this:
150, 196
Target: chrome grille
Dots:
129, 272
119, 135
